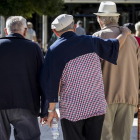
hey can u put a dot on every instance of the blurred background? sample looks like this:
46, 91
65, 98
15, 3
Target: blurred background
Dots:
41, 13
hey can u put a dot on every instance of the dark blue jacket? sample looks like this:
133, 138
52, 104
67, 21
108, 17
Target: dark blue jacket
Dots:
68, 47
20, 64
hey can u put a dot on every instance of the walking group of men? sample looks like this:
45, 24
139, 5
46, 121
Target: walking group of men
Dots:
97, 99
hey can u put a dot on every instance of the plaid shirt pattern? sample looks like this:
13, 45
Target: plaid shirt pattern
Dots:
82, 90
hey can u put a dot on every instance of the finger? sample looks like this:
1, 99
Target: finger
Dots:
50, 117
56, 117
44, 122
40, 120
49, 123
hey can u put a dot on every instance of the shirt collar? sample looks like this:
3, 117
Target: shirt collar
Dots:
78, 26
110, 25
68, 34
15, 35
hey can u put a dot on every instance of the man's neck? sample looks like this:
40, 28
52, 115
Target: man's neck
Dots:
66, 31
18, 33
102, 26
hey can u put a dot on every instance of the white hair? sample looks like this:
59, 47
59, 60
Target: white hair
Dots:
105, 20
16, 24
69, 27
137, 28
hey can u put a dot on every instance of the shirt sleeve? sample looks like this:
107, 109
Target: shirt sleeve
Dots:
84, 32
107, 49
44, 103
40, 60
50, 77
44, 106
34, 33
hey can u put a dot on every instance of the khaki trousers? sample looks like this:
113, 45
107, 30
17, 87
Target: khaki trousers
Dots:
118, 122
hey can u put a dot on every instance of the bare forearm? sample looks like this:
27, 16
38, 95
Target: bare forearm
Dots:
52, 106
121, 38
34, 38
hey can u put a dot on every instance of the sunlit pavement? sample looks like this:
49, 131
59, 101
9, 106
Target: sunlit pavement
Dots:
134, 130
46, 132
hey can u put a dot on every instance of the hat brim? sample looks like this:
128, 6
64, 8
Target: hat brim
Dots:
107, 14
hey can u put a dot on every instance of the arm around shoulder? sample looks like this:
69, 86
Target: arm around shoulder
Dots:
122, 37
107, 49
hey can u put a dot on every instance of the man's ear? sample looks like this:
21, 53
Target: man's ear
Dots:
5, 30
98, 19
55, 32
118, 17
75, 26
25, 32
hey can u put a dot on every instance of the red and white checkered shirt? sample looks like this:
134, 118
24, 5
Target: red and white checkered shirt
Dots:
82, 90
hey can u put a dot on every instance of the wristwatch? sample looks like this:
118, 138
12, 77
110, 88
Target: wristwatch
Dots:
51, 110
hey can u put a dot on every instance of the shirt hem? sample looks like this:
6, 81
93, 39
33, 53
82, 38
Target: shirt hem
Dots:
122, 102
53, 100
75, 120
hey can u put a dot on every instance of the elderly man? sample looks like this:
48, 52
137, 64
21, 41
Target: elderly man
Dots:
20, 64
131, 26
121, 81
80, 30
31, 34
137, 28
74, 62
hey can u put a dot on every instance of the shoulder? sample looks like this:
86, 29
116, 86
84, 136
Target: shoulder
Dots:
34, 32
138, 38
78, 28
56, 48
29, 44
132, 40
131, 37
99, 34
4, 40
83, 29
36, 46
55, 45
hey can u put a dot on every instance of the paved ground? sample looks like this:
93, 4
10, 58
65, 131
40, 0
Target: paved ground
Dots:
46, 132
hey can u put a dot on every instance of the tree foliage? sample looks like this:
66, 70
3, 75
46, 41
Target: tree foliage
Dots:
27, 7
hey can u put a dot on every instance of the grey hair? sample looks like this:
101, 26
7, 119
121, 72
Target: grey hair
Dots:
105, 20
16, 24
137, 28
71, 26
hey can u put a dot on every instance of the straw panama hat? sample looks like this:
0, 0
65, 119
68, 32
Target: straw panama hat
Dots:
107, 8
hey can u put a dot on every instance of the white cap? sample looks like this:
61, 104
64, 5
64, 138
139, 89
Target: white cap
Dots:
61, 22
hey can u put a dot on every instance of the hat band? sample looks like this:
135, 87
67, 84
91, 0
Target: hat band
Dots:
107, 12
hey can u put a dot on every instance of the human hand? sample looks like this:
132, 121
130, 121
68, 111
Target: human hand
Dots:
43, 121
51, 115
125, 30
136, 110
